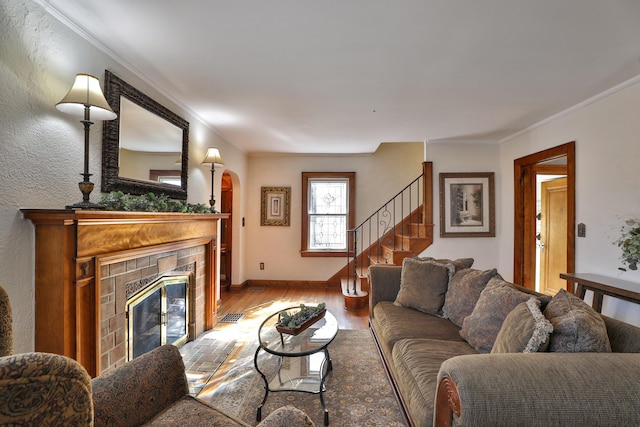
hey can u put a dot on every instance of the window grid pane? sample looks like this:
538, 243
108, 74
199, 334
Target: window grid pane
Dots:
328, 232
328, 197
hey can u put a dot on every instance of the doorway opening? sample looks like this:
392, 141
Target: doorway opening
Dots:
544, 237
551, 231
226, 231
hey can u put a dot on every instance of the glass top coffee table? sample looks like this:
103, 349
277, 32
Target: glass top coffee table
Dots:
303, 360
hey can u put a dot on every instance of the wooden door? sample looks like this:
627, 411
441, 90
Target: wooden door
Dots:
553, 235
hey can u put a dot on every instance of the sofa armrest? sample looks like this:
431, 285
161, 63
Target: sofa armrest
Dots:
384, 284
539, 389
43, 389
135, 392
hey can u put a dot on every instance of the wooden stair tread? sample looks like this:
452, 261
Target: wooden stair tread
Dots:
347, 288
380, 260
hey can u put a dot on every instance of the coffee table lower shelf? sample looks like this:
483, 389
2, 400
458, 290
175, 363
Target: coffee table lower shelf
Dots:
296, 374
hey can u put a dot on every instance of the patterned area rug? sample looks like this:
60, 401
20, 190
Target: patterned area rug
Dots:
358, 392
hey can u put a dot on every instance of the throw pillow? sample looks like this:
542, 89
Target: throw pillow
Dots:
496, 301
463, 293
423, 285
524, 330
576, 326
459, 264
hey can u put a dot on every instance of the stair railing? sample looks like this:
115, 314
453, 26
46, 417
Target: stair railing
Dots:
392, 219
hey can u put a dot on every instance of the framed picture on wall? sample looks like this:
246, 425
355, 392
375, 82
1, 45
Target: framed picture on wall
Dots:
276, 206
467, 204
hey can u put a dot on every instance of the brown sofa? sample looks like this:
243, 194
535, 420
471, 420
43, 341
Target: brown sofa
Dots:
441, 379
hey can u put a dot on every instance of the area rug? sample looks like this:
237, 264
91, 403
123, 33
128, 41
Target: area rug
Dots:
358, 392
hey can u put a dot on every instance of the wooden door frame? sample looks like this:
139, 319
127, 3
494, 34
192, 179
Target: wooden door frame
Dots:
525, 170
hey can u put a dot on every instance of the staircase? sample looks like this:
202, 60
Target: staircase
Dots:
400, 228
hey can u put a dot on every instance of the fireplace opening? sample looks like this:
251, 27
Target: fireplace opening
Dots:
158, 315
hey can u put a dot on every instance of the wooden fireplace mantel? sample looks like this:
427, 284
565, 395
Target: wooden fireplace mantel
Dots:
70, 246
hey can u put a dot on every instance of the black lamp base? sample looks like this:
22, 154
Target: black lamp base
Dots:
212, 203
86, 187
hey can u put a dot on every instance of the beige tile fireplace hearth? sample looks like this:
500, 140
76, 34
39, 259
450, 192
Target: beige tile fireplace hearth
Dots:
85, 260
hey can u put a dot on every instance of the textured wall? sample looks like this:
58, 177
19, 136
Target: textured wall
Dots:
38, 145
41, 149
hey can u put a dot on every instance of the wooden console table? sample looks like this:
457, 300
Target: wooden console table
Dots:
601, 285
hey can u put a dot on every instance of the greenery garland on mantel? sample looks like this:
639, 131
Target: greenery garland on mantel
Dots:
119, 201
629, 242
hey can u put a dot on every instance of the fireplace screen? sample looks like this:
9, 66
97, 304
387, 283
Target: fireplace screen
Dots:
158, 315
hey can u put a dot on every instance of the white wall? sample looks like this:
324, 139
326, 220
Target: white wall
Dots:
41, 149
607, 135
379, 177
460, 157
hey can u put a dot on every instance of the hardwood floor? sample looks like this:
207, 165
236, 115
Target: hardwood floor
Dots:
216, 350
267, 300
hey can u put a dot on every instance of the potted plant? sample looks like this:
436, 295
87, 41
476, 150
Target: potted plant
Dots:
301, 319
629, 243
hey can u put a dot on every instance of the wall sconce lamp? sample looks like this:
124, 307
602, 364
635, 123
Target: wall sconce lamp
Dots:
85, 99
213, 157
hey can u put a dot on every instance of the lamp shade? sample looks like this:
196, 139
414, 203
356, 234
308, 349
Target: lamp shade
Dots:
86, 91
213, 157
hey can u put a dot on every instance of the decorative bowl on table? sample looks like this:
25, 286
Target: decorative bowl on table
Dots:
296, 322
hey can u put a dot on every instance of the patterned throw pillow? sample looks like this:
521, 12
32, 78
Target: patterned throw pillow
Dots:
496, 301
524, 330
464, 291
576, 326
423, 285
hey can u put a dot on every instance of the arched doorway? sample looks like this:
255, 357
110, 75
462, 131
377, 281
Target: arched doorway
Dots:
226, 230
532, 233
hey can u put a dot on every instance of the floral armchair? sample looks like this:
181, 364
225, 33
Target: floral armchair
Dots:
6, 324
40, 388
43, 389
153, 390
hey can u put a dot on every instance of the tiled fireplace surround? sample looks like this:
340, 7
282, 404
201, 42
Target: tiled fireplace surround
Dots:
125, 278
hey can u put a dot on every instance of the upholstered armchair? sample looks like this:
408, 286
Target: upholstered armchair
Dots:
43, 389
152, 389
6, 324
40, 389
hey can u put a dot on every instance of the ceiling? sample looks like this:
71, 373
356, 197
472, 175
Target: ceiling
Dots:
342, 76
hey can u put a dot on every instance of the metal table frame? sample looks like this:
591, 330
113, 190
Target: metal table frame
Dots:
294, 351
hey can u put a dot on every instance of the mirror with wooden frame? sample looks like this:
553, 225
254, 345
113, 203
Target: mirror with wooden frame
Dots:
144, 138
